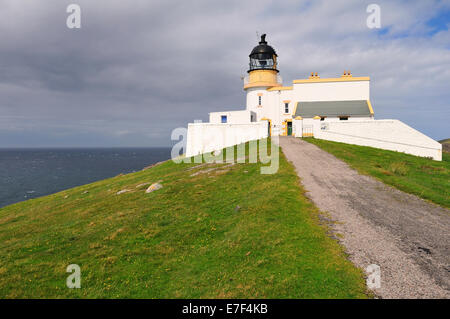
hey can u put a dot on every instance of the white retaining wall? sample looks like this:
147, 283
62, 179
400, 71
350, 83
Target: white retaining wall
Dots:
391, 135
208, 137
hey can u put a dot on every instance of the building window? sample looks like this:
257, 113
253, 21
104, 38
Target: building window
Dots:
343, 118
259, 100
286, 107
224, 118
322, 118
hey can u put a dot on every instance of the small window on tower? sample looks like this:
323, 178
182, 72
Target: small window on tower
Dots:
224, 118
343, 118
259, 100
286, 107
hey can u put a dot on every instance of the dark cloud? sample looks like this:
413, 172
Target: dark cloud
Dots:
138, 69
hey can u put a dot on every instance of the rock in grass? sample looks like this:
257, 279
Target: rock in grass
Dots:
154, 187
238, 208
122, 191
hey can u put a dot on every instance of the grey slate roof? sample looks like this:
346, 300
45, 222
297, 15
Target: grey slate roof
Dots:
332, 108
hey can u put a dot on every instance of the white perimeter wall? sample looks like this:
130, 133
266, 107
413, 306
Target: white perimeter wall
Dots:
208, 137
391, 135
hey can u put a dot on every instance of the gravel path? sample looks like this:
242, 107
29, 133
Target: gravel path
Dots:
407, 237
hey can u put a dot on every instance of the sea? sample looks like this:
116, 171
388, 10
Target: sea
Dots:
31, 173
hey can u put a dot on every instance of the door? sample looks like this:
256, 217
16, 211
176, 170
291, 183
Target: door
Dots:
289, 128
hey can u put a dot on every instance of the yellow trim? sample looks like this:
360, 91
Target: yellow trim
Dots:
270, 124
316, 117
280, 88
346, 79
260, 94
287, 101
295, 108
299, 118
370, 107
258, 84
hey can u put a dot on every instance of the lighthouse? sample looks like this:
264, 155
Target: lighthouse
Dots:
336, 109
263, 74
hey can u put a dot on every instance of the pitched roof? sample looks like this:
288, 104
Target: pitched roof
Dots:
333, 108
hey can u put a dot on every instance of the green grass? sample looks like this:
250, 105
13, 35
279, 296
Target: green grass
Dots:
423, 177
185, 240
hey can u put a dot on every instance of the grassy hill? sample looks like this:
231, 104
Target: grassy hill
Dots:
187, 240
416, 175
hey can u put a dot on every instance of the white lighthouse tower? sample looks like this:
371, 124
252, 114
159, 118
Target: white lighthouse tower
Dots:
262, 75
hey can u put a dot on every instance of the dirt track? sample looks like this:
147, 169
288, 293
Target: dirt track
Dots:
407, 237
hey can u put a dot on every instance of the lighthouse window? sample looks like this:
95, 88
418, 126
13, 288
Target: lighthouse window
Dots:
286, 107
259, 100
224, 118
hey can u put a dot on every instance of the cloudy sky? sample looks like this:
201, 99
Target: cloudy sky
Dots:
138, 69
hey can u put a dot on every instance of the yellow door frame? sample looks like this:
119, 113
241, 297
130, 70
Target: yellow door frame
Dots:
285, 129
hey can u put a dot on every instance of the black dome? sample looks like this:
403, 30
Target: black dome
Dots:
263, 57
263, 50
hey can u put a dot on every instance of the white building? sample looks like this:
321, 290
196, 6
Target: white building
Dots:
337, 109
